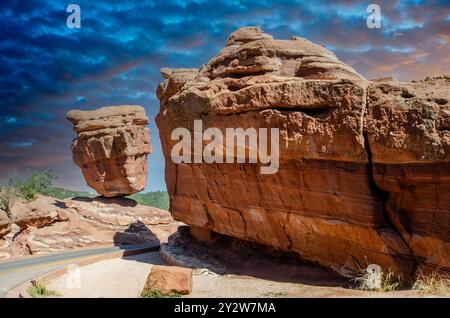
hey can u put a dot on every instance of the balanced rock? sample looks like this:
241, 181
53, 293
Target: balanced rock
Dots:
111, 148
364, 166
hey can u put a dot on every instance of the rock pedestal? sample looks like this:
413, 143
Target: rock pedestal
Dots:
204, 235
48, 225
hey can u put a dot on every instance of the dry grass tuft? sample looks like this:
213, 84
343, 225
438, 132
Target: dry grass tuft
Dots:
433, 283
378, 281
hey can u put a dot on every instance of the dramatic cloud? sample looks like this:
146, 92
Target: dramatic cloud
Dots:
47, 69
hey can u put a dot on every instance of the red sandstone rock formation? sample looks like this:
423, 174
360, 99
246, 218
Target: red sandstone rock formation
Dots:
364, 171
408, 133
48, 225
111, 148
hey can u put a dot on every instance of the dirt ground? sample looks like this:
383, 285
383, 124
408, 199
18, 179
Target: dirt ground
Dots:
126, 277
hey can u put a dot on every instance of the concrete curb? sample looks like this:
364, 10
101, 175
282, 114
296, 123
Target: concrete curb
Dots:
21, 290
86, 248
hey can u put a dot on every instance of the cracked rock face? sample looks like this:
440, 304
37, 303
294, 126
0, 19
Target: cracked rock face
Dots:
111, 148
364, 172
408, 131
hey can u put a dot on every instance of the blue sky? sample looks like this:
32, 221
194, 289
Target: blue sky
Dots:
115, 57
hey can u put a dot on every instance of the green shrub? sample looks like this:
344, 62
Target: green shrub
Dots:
36, 183
38, 289
158, 294
157, 199
7, 197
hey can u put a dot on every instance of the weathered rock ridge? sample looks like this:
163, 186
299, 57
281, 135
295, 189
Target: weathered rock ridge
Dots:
364, 171
111, 148
49, 225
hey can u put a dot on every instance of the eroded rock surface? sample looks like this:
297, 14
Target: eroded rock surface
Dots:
169, 280
38, 213
5, 224
49, 225
408, 133
111, 148
364, 166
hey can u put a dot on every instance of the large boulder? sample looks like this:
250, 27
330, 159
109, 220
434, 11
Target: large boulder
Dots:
354, 155
168, 280
112, 148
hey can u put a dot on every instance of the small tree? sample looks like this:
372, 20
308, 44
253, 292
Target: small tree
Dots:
37, 182
7, 198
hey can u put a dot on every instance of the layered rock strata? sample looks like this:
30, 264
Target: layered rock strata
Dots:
111, 148
364, 173
48, 225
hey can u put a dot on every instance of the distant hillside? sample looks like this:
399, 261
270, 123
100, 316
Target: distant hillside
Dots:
157, 199
61, 193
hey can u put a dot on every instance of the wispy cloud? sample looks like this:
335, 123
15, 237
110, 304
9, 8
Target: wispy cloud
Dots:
47, 69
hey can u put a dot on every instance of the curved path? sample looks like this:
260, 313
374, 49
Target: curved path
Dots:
17, 271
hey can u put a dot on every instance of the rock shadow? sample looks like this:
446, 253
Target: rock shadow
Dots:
60, 204
136, 234
147, 258
233, 256
122, 201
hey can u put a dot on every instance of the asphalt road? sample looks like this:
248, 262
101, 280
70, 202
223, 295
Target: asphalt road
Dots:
16, 272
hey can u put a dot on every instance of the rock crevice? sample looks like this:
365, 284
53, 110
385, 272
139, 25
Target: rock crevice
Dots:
384, 197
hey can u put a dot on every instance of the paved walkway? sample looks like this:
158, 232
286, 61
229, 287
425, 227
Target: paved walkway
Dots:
18, 271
